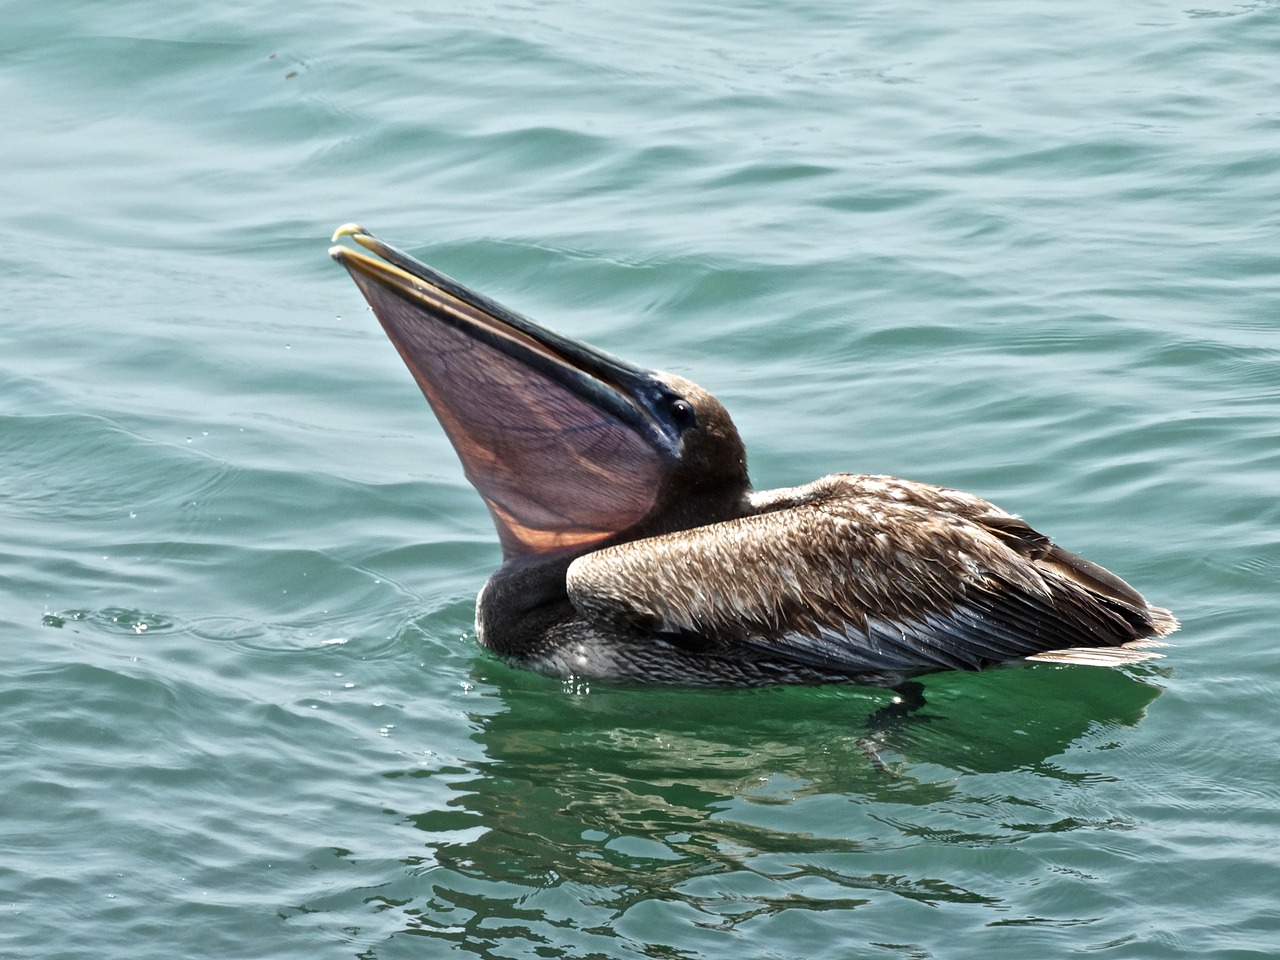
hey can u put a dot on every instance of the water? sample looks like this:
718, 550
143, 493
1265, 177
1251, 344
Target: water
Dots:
1027, 250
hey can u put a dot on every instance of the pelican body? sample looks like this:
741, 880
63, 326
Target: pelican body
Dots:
634, 548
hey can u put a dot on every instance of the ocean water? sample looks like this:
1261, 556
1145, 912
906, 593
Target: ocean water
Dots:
1029, 250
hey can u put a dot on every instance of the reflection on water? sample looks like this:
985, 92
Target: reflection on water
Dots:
595, 820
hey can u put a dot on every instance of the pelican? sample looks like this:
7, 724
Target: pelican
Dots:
634, 548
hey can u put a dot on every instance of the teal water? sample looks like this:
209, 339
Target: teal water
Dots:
1029, 250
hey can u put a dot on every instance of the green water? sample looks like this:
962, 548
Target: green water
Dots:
1029, 250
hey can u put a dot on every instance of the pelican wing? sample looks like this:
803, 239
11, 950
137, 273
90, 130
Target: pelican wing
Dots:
866, 574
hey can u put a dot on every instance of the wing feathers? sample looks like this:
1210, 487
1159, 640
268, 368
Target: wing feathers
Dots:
868, 574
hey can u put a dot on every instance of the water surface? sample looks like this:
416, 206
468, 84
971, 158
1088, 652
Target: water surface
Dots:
1029, 251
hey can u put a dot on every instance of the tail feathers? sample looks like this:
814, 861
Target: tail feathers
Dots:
1162, 621
1136, 651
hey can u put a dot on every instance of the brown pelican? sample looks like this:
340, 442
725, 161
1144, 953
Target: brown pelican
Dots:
634, 548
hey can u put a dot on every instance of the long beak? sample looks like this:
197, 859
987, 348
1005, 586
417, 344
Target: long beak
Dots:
565, 443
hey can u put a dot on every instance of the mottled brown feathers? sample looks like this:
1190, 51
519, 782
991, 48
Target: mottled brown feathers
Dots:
865, 573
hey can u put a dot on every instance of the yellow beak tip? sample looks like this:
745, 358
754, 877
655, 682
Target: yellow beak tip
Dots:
348, 230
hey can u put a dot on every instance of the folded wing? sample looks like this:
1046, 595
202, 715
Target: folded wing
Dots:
869, 574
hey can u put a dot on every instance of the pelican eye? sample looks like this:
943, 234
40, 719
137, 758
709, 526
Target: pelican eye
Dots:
682, 413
